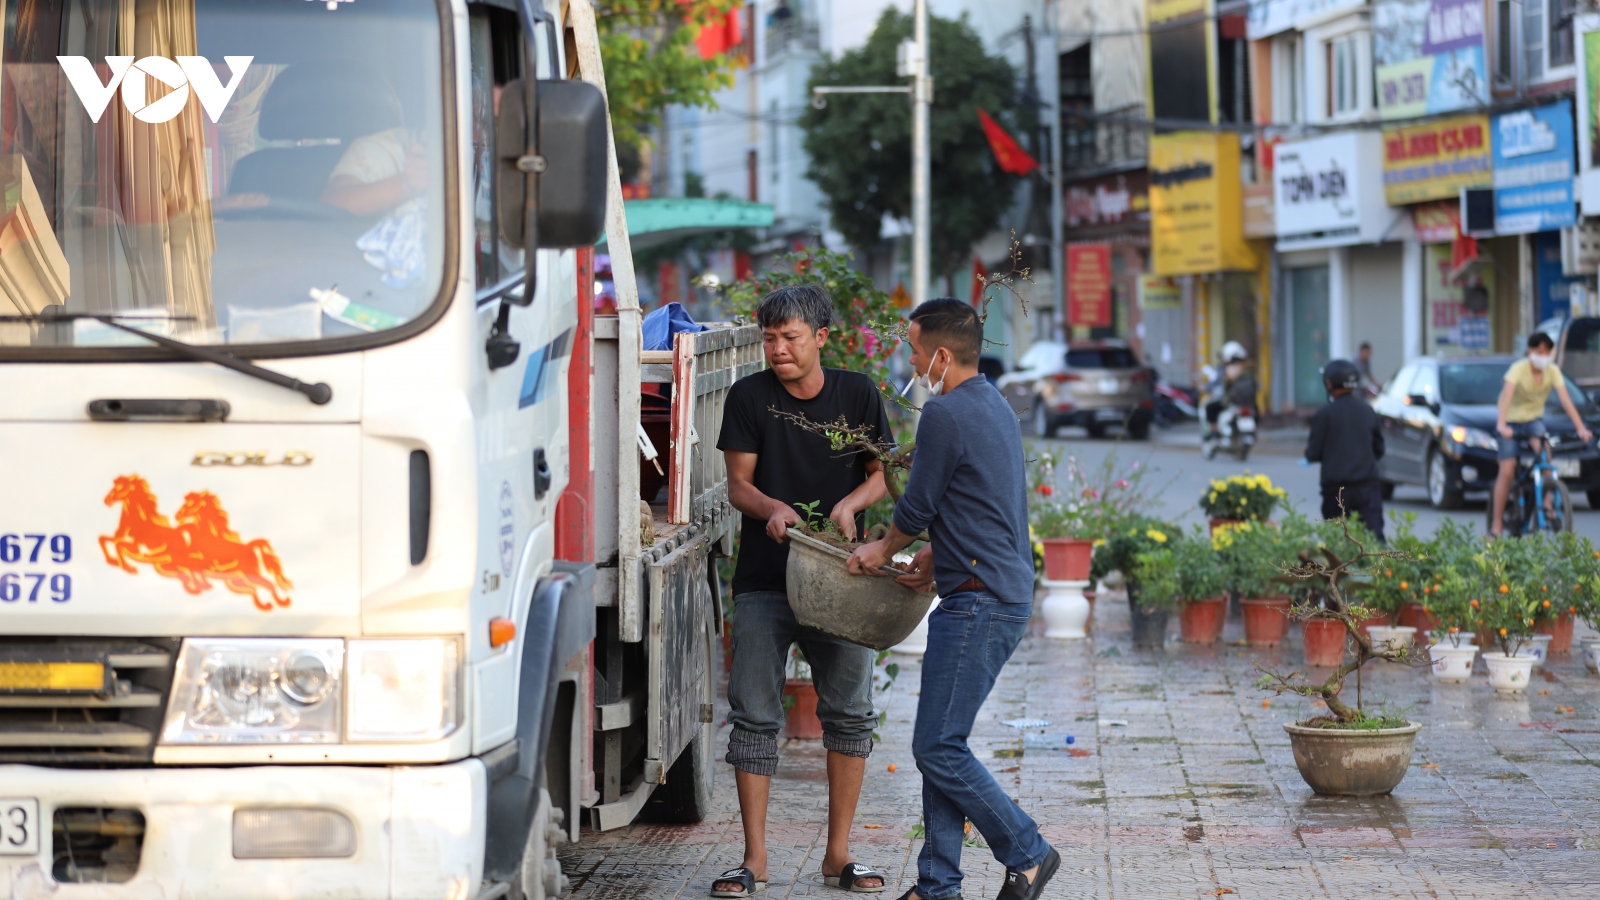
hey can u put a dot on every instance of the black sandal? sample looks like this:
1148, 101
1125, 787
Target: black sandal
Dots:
747, 883
1017, 886
853, 872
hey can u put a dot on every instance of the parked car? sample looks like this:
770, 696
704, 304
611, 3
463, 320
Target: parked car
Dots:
1089, 385
1438, 419
1577, 348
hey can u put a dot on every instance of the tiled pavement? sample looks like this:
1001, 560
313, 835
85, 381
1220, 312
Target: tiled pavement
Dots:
1197, 795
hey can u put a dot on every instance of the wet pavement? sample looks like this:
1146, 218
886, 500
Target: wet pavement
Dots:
1196, 795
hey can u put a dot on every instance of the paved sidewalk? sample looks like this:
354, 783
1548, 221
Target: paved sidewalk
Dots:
1197, 795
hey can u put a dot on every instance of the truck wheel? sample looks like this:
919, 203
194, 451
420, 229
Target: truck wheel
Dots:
540, 877
686, 797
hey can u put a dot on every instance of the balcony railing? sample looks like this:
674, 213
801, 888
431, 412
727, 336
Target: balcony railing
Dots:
1103, 140
792, 35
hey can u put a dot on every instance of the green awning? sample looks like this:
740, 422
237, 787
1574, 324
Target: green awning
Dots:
659, 220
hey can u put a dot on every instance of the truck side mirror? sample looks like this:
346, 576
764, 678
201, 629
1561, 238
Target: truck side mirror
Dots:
559, 189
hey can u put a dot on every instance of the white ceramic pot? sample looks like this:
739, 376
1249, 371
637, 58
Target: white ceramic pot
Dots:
1591, 655
1537, 648
916, 643
1452, 665
1065, 609
1509, 674
1391, 637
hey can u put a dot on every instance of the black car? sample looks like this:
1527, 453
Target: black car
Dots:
1438, 419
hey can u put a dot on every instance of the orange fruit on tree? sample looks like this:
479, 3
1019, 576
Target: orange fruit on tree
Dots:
1505, 588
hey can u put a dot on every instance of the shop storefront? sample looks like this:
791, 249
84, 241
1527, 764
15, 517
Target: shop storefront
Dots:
1197, 240
1342, 279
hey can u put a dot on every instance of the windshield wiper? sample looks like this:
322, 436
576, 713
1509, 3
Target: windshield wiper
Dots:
318, 393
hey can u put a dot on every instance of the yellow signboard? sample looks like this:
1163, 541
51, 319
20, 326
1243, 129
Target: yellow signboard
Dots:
1436, 160
1166, 10
1196, 209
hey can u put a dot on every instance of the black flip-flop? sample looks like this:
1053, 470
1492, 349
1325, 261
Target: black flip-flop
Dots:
747, 883
1017, 886
852, 873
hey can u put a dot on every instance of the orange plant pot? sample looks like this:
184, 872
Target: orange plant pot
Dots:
1560, 631
1324, 639
1067, 559
800, 719
1201, 620
1266, 619
1414, 616
1220, 523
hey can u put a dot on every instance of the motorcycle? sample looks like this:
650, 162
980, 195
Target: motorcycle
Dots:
1174, 404
1235, 432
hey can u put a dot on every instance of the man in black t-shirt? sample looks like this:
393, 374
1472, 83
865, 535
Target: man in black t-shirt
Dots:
772, 466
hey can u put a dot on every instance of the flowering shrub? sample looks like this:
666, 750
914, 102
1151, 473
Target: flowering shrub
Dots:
1120, 552
1249, 497
1067, 501
1183, 567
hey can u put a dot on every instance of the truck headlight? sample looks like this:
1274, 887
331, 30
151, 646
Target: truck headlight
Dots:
256, 691
403, 689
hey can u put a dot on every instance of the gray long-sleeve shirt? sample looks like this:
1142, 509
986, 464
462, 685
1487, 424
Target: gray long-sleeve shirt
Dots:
969, 490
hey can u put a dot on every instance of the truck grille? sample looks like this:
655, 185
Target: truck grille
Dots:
114, 724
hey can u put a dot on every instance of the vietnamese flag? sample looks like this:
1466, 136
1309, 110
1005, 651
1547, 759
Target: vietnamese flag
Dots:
1007, 152
720, 35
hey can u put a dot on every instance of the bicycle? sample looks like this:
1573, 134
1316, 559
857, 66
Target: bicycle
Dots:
1525, 510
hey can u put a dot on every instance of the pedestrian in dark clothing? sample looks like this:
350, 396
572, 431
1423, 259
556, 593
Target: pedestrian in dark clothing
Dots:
1345, 439
968, 489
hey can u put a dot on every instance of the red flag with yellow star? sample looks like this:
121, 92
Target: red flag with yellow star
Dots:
1007, 152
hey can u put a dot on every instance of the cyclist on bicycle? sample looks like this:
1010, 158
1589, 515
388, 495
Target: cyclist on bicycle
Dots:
1521, 414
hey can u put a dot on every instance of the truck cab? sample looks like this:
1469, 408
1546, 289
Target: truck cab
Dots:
323, 570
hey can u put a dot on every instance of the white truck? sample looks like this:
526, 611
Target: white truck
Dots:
323, 565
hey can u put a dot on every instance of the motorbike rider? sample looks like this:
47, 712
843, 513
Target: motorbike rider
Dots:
1346, 440
1235, 385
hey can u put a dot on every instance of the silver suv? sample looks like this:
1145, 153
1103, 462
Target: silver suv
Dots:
1089, 385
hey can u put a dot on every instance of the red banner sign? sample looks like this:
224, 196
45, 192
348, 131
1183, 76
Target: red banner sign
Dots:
1089, 285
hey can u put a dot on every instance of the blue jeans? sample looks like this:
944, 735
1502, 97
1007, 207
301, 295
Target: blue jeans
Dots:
1510, 447
764, 627
970, 637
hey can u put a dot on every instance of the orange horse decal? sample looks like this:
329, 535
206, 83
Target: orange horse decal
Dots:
199, 548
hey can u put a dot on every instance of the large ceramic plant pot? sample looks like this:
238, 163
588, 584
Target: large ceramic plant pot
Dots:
1508, 674
862, 609
1201, 620
1349, 763
1067, 559
1415, 616
1266, 619
1149, 625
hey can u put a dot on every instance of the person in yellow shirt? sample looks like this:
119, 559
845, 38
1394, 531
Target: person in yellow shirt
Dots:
1521, 413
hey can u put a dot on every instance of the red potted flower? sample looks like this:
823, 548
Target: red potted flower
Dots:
1070, 511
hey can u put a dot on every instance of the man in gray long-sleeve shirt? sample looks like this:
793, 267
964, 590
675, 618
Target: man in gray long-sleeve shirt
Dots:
968, 489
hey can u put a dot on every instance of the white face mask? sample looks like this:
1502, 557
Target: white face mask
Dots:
934, 389
1540, 360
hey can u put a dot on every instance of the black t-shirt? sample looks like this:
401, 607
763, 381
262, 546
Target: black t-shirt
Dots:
794, 465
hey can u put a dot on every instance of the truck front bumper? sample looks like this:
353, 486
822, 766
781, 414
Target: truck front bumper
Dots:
419, 830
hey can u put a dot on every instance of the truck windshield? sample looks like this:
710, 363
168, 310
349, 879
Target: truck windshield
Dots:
219, 171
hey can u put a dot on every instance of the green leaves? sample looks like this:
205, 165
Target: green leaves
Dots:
860, 145
648, 47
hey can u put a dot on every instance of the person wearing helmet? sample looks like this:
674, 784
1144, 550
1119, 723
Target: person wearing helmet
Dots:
1235, 384
1345, 439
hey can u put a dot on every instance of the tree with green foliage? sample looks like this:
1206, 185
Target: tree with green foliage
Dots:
652, 62
860, 145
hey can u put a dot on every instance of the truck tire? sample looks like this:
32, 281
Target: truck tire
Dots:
540, 876
686, 797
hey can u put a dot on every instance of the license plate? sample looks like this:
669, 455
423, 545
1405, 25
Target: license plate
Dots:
1110, 415
1108, 385
51, 677
1569, 468
19, 826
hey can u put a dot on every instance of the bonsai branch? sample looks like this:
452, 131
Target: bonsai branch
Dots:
849, 440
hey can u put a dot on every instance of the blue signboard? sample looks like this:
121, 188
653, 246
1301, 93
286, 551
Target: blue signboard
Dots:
1533, 169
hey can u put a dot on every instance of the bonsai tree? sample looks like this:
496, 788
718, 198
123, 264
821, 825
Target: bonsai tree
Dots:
1334, 575
1509, 576
1251, 498
1183, 568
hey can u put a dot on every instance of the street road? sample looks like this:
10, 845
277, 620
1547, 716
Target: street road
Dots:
1180, 475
